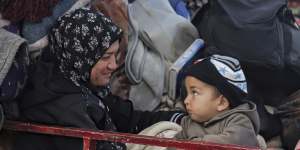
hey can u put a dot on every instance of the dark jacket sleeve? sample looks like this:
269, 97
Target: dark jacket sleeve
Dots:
129, 120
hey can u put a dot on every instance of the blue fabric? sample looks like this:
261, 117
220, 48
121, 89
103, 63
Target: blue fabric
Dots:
13, 28
33, 31
180, 8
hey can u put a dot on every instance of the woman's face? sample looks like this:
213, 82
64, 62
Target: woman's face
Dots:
102, 70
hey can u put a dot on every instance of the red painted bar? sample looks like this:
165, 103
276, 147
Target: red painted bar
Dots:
298, 21
89, 144
86, 143
298, 146
88, 135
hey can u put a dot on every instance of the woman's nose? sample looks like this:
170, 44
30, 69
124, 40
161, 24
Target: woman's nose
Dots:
112, 65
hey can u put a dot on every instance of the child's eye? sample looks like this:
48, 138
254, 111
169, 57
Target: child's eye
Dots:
195, 93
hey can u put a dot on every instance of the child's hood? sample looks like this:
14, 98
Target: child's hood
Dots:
248, 109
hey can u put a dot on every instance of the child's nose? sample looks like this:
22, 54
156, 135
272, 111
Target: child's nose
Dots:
186, 100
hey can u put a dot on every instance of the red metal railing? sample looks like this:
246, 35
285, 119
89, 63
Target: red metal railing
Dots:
298, 146
91, 136
298, 21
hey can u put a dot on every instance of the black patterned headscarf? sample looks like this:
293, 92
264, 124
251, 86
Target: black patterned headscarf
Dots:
79, 40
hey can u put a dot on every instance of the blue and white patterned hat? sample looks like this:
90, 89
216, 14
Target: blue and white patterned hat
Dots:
230, 69
224, 73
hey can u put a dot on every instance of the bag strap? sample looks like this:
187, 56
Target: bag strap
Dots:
285, 15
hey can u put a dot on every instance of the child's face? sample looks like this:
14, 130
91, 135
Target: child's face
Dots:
202, 101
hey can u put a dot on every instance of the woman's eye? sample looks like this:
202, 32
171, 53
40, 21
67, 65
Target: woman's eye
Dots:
105, 57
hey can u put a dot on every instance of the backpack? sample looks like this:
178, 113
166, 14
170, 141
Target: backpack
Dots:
255, 32
157, 37
262, 35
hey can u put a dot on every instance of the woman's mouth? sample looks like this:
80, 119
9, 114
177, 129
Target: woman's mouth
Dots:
107, 74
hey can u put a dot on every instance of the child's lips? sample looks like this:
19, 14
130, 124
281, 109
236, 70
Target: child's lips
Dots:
187, 110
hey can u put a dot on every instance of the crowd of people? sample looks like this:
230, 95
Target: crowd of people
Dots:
76, 63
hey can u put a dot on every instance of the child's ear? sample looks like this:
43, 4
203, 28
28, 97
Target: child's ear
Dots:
223, 103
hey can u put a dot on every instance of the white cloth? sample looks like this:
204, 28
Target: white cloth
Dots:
3, 22
163, 129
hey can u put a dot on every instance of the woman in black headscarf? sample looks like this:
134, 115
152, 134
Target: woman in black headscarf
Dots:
70, 85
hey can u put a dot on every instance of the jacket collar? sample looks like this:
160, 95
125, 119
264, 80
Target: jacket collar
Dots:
248, 108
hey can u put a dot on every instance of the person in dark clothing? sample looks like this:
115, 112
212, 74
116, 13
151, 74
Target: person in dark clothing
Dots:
69, 87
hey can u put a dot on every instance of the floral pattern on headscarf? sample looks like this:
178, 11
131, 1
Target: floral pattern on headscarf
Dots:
78, 40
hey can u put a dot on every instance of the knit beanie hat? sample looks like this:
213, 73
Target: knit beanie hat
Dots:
224, 73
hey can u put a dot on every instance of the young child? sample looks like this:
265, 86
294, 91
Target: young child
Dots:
218, 112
